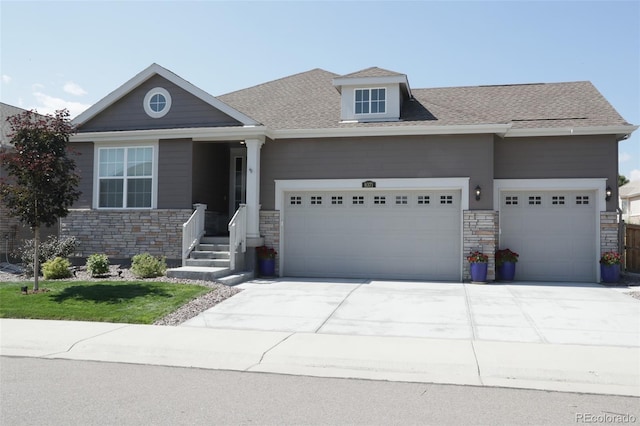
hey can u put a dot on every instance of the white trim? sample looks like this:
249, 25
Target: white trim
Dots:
96, 171
296, 185
195, 133
620, 130
146, 103
499, 129
143, 76
594, 184
400, 79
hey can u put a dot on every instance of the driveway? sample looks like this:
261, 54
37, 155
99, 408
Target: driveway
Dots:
583, 314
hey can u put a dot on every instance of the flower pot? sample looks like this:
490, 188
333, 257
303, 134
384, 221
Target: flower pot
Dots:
507, 271
267, 267
610, 273
478, 272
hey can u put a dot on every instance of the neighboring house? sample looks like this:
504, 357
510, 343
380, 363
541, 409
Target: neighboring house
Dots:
630, 202
355, 175
12, 232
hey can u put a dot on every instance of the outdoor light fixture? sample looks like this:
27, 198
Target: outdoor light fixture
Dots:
608, 193
478, 192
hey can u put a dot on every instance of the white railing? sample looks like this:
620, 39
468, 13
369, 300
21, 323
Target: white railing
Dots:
237, 234
192, 231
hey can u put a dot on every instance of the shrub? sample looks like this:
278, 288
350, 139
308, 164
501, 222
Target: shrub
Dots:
50, 248
146, 266
56, 268
98, 264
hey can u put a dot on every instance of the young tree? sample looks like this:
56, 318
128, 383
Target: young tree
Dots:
41, 183
622, 180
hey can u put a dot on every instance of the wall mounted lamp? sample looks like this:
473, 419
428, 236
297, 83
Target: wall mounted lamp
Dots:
608, 193
478, 192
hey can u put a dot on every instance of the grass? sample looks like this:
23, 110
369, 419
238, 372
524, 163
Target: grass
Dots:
135, 302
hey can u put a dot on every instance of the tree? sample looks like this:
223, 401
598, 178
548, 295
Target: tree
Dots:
622, 180
41, 182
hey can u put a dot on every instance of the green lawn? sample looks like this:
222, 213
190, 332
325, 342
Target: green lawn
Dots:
137, 302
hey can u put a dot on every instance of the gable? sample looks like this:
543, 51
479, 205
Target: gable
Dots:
186, 110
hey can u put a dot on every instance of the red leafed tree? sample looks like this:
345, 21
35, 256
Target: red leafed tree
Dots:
42, 182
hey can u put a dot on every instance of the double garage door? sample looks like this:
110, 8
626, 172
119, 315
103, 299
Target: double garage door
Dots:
553, 231
373, 234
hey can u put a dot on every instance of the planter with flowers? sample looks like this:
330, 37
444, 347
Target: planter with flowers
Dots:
610, 267
506, 264
266, 261
478, 266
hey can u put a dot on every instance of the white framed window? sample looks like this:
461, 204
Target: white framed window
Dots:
371, 101
126, 177
157, 102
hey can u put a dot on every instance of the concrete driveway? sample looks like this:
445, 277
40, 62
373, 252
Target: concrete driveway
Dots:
583, 314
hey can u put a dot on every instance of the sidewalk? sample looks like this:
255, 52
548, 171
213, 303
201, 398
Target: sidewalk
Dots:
557, 367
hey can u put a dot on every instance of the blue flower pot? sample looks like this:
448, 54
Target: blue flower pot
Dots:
267, 267
478, 272
507, 271
610, 273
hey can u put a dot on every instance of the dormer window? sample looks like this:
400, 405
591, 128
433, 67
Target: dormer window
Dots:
371, 101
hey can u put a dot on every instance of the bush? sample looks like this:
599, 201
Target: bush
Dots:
146, 266
50, 248
98, 264
56, 268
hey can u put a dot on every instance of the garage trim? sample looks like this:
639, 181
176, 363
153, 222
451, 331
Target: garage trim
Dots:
595, 184
297, 185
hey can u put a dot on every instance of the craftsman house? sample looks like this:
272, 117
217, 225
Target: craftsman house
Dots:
356, 175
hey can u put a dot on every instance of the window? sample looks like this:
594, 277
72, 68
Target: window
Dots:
157, 102
446, 199
557, 200
380, 199
316, 200
582, 199
535, 200
402, 199
423, 199
357, 200
511, 200
371, 101
336, 199
295, 200
125, 177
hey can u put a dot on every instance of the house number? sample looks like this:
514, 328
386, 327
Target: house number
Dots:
368, 184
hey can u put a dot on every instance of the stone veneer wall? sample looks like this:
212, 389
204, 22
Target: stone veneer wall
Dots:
480, 232
270, 230
123, 234
608, 232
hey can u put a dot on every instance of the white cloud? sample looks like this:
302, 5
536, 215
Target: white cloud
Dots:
634, 175
74, 89
624, 157
37, 86
49, 104
6, 79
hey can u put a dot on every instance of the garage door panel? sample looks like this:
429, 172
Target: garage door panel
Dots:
398, 239
556, 242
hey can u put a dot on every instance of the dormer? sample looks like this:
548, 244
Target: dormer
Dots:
373, 94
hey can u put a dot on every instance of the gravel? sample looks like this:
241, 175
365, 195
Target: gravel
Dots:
218, 293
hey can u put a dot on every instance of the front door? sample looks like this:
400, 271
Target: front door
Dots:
237, 179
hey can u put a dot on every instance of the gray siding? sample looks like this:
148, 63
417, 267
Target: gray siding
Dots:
186, 111
174, 173
380, 157
84, 167
559, 157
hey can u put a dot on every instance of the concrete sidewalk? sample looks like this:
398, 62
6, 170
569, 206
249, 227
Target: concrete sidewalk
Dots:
560, 367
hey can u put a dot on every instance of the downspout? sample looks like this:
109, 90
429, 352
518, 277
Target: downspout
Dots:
621, 235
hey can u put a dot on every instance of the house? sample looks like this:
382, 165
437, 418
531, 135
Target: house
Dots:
630, 202
12, 231
356, 175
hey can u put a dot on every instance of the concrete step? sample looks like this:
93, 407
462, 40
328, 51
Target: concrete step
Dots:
237, 278
214, 240
198, 273
209, 254
212, 247
217, 263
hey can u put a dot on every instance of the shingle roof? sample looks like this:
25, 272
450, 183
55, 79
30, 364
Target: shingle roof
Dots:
371, 72
7, 111
629, 190
309, 101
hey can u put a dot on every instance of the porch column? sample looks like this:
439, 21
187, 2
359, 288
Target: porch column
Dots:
253, 186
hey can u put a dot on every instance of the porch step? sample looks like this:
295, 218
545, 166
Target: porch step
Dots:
214, 240
210, 254
198, 273
209, 262
213, 247
237, 278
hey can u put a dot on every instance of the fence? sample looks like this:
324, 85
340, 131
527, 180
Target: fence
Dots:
632, 248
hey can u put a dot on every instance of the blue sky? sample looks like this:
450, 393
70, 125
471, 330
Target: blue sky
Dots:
71, 54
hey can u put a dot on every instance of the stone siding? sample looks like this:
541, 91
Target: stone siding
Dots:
270, 231
123, 234
480, 232
608, 232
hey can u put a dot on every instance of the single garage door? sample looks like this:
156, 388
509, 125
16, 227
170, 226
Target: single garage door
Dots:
373, 234
554, 233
